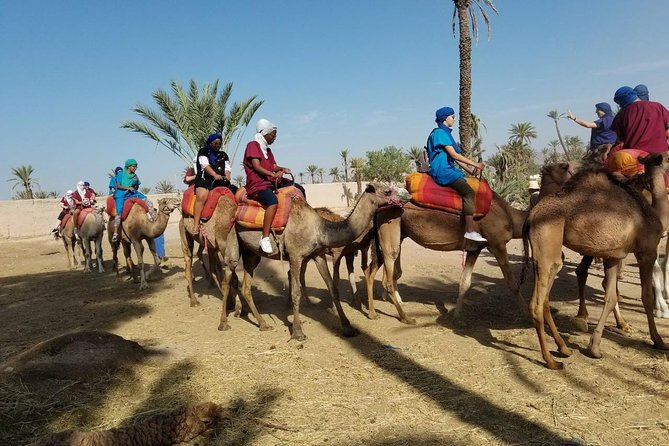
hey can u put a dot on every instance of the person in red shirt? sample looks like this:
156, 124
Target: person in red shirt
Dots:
642, 125
262, 172
83, 197
66, 207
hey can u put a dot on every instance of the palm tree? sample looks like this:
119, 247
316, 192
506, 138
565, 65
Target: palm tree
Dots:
358, 166
523, 132
301, 174
320, 172
464, 11
312, 170
186, 118
146, 190
335, 174
415, 153
344, 161
165, 187
239, 180
555, 116
23, 176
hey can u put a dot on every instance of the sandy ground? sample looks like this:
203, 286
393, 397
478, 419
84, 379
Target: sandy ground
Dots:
432, 383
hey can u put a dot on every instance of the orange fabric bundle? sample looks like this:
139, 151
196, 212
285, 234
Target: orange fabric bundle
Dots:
188, 201
626, 161
425, 192
251, 213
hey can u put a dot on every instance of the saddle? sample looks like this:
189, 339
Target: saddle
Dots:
82, 216
626, 161
250, 213
188, 201
428, 194
127, 206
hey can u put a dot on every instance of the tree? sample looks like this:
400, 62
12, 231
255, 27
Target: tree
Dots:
523, 133
320, 172
165, 187
23, 176
239, 180
335, 174
388, 165
145, 190
185, 119
40, 194
464, 11
555, 116
358, 166
312, 170
344, 162
415, 153
301, 174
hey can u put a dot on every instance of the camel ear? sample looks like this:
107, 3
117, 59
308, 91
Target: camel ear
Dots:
564, 166
370, 189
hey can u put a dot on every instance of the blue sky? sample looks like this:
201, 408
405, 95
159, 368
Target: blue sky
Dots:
356, 74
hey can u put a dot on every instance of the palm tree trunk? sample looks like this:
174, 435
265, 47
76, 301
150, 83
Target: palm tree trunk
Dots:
557, 129
465, 75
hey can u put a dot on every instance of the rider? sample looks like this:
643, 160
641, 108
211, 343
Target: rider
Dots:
127, 186
444, 154
112, 180
213, 170
261, 173
83, 197
67, 206
641, 125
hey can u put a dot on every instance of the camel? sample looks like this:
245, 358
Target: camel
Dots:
222, 244
92, 230
305, 237
136, 228
597, 216
70, 242
441, 231
554, 176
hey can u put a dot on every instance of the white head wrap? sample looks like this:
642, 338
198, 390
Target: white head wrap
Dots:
69, 193
265, 127
81, 189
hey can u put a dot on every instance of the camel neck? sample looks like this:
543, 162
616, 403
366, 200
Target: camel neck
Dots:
341, 233
659, 197
518, 218
157, 227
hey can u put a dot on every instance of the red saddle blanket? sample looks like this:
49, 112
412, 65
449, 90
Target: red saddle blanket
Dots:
82, 216
426, 193
188, 201
250, 213
127, 206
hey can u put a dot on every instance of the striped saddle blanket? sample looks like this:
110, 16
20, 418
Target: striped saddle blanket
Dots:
250, 213
188, 201
127, 206
426, 193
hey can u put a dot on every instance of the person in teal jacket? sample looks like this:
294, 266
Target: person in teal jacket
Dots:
445, 155
127, 186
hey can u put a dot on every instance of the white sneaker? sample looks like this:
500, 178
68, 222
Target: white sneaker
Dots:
475, 236
266, 245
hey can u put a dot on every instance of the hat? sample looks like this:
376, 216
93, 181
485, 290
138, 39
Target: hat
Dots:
118, 169
443, 113
265, 127
624, 96
69, 193
87, 184
130, 162
605, 107
642, 91
534, 184
213, 137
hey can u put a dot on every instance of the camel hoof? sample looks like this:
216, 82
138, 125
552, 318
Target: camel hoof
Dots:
627, 328
566, 352
349, 332
144, 286
265, 327
373, 316
408, 321
580, 324
662, 314
298, 336
660, 346
223, 326
594, 353
555, 365
194, 303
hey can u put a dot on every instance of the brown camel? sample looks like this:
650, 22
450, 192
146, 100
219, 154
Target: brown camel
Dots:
598, 216
305, 237
222, 245
441, 231
70, 242
136, 228
92, 230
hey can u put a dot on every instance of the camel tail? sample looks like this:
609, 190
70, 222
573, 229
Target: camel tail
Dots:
526, 251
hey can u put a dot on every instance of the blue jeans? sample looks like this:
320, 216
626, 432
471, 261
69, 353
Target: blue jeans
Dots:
128, 194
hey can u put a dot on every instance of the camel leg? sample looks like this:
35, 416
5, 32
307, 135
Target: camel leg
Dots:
98, 253
396, 276
86, 244
501, 255
350, 258
139, 250
130, 266
229, 277
322, 266
610, 277
187, 244
295, 295
465, 281
370, 273
582, 278
660, 273
250, 261
648, 298
390, 283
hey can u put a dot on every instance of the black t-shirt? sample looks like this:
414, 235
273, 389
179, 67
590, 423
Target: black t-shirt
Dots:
217, 160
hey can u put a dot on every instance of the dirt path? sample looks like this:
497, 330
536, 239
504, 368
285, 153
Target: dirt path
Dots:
431, 383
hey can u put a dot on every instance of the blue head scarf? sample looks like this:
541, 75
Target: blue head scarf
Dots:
624, 96
605, 107
213, 137
118, 169
440, 116
642, 91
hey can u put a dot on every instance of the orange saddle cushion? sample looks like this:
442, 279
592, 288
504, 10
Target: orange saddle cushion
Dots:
127, 206
188, 201
426, 193
82, 216
64, 221
250, 213
626, 162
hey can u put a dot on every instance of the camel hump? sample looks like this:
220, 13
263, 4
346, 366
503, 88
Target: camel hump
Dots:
188, 201
426, 193
250, 214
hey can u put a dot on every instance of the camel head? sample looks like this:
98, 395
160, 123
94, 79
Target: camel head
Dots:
656, 159
99, 208
554, 176
167, 205
385, 195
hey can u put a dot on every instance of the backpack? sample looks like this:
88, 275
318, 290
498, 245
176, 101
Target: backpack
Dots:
423, 162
